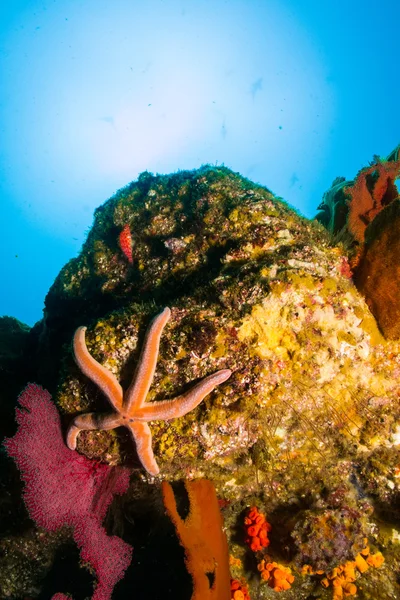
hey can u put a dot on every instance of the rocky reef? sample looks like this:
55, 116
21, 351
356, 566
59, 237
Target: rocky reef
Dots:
307, 427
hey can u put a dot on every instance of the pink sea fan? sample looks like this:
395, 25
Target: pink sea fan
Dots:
64, 488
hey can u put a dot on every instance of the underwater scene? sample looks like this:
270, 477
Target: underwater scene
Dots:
200, 375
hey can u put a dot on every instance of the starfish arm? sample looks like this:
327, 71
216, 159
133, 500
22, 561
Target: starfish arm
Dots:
101, 376
90, 421
139, 388
179, 406
142, 436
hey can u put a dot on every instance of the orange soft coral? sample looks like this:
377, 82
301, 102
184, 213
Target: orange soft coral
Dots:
239, 590
257, 529
279, 578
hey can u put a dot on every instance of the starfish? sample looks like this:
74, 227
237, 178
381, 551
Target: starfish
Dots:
130, 408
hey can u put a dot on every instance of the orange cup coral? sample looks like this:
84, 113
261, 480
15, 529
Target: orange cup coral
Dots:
257, 528
342, 578
239, 590
278, 577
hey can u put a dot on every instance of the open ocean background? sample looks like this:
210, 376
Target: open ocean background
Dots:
290, 94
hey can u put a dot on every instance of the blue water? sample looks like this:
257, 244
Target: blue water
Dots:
290, 94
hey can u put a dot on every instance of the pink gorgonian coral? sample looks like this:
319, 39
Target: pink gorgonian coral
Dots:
64, 488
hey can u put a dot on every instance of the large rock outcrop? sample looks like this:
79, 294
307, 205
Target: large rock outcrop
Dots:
308, 425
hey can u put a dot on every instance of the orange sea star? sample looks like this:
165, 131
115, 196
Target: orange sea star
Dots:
130, 407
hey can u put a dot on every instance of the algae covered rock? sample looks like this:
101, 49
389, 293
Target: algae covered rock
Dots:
255, 288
